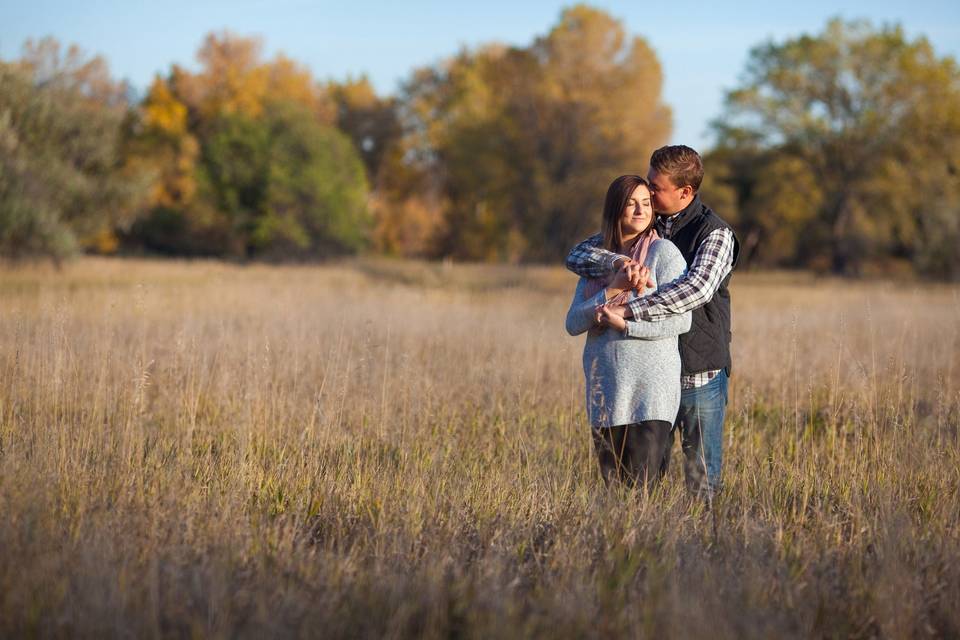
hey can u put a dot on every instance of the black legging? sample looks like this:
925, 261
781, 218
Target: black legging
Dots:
632, 453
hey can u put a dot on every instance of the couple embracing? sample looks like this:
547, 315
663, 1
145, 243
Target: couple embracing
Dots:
653, 300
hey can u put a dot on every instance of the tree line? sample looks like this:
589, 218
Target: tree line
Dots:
839, 151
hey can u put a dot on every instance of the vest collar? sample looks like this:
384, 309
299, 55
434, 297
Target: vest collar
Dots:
682, 217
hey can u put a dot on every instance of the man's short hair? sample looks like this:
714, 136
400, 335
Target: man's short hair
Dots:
680, 163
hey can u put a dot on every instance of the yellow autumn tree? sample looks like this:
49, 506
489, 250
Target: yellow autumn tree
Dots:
521, 142
170, 147
290, 82
235, 79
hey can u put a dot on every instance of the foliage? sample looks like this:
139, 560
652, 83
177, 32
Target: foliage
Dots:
520, 143
63, 183
838, 151
846, 145
369, 120
249, 161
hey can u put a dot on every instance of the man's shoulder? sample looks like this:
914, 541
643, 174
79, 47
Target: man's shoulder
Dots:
713, 224
712, 219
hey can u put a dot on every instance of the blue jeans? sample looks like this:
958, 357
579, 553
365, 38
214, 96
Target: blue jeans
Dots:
700, 422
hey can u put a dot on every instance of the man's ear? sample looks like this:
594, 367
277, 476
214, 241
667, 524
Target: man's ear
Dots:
687, 192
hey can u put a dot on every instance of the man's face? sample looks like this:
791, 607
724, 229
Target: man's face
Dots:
667, 198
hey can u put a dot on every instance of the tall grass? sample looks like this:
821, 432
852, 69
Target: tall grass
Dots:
398, 449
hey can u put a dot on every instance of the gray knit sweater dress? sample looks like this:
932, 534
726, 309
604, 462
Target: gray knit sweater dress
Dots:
634, 377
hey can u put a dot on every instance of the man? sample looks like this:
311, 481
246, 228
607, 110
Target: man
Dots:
710, 248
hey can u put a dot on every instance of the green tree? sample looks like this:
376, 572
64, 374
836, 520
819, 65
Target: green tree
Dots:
316, 197
277, 185
233, 178
63, 183
859, 131
249, 161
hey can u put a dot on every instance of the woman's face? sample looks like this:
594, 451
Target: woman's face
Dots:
637, 214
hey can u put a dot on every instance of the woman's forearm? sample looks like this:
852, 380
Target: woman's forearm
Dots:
581, 319
666, 328
582, 313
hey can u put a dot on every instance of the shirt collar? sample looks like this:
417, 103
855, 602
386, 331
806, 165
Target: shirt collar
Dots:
670, 223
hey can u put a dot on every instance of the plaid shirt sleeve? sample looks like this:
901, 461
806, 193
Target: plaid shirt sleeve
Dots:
711, 264
589, 260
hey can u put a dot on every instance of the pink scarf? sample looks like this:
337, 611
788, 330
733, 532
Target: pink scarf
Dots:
638, 254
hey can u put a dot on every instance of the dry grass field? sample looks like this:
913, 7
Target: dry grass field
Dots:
400, 450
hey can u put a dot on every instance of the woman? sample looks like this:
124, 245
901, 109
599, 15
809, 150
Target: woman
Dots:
632, 367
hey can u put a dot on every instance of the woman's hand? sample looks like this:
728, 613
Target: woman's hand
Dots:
607, 317
622, 278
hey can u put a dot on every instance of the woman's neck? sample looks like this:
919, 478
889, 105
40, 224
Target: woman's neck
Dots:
627, 241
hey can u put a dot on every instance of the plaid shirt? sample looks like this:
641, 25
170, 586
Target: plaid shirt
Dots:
711, 264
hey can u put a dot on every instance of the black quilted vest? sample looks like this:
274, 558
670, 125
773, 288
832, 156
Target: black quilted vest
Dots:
706, 346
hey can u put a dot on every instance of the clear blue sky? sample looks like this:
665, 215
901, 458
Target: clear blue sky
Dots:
702, 48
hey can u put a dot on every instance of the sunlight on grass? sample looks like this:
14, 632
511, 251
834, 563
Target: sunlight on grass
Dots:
400, 449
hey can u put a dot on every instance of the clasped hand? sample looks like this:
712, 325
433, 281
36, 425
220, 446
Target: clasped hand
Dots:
631, 275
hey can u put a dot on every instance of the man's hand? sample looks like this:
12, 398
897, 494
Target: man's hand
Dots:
631, 275
639, 276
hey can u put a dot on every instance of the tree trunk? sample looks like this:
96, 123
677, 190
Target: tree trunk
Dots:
842, 258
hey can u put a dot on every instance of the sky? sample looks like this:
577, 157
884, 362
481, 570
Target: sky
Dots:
702, 48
